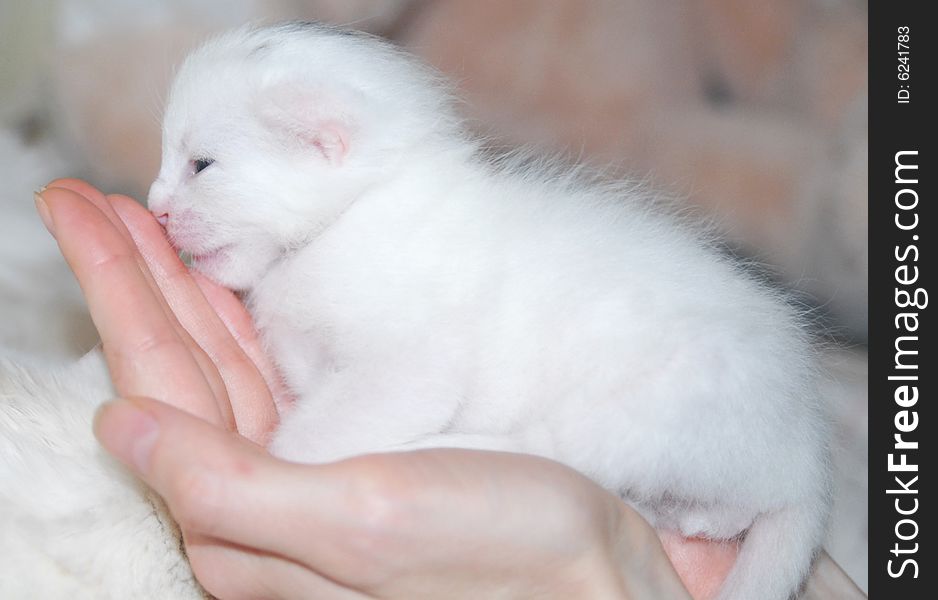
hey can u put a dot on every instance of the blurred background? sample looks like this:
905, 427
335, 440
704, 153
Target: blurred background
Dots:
754, 111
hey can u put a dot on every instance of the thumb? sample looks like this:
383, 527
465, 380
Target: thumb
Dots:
199, 469
217, 483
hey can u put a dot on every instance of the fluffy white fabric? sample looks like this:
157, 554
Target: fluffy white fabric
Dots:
75, 523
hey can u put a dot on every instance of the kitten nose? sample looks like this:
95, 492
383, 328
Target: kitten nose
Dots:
162, 218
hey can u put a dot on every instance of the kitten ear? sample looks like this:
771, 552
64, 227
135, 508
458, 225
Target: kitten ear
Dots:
310, 119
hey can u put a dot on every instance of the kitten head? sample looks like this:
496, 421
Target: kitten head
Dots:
271, 133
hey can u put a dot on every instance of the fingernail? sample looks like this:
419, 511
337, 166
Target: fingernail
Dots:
128, 432
43, 211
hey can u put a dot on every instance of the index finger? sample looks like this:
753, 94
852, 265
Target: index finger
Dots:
142, 348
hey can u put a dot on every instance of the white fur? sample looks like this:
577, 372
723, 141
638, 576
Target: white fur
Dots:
75, 524
415, 294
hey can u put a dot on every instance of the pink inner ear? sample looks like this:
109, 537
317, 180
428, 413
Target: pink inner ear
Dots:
315, 119
330, 138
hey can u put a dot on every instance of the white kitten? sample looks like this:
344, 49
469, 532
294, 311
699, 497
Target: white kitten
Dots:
416, 295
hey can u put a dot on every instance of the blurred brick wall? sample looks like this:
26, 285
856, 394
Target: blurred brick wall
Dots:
748, 108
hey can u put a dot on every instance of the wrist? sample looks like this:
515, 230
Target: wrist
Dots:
626, 561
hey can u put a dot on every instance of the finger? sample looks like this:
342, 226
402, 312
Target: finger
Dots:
701, 564
209, 371
239, 323
93, 195
142, 348
247, 391
221, 486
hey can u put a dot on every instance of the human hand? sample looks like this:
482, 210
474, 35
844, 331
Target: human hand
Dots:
166, 333
391, 524
426, 524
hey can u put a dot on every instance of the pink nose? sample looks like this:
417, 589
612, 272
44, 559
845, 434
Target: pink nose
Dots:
162, 218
